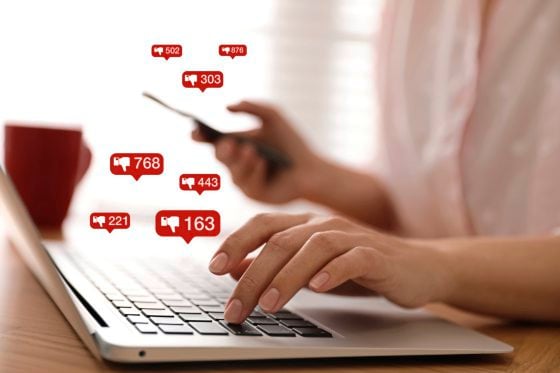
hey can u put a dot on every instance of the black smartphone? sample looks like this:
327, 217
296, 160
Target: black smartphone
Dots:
276, 160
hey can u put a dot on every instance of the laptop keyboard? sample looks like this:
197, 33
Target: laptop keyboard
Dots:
160, 297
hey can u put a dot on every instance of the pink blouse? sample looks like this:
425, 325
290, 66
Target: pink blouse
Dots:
470, 116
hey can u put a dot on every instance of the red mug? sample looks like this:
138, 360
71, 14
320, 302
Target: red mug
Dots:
45, 165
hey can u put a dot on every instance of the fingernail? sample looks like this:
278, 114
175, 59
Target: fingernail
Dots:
233, 311
269, 299
319, 280
219, 263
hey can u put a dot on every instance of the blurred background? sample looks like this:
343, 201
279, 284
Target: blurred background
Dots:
86, 63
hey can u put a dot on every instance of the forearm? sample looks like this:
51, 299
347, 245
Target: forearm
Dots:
351, 193
516, 278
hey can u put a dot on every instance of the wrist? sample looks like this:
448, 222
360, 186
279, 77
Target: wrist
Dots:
447, 274
313, 178
440, 266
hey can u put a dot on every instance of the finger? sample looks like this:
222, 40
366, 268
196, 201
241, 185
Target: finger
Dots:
251, 134
226, 151
238, 271
275, 254
251, 236
257, 180
242, 168
321, 248
353, 289
263, 111
196, 135
355, 263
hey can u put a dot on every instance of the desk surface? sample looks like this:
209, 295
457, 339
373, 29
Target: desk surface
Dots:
34, 337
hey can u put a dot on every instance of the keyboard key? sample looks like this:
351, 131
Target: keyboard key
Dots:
194, 317
149, 312
262, 321
216, 315
257, 314
149, 305
205, 302
176, 329
146, 328
298, 324
219, 308
129, 311
208, 328
134, 292
192, 294
160, 290
182, 302
312, 332
138, 319
122, 303
276, 331
167, 320
173, 296
182, 309
108, 289
115, 296
141, 298
285, 316
241, 329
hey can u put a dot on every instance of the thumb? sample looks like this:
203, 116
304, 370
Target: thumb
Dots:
198, 136
263, 111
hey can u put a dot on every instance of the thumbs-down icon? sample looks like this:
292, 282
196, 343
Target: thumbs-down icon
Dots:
170, 221
99, 220
188, 181
124, 162
192, 78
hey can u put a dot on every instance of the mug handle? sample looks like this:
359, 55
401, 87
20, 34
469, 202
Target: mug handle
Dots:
84, 161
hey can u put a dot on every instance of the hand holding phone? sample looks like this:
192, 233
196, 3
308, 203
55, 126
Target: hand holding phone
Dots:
276, 160
271, 163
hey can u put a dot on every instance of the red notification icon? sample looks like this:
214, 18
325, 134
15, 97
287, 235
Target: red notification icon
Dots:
188, 223
109, 220
199, 182
232, 50
136, 164
167, 50
203, 79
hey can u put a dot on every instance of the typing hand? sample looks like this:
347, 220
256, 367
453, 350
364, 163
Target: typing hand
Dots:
324, 253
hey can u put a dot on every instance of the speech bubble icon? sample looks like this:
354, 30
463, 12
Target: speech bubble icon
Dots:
232, 50
167, 51
199, 182
187, 224
203, 79
136, 164
109, 220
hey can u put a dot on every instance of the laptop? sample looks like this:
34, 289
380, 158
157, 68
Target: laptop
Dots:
144, 309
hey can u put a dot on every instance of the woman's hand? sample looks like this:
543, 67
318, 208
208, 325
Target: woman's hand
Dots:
311, 177
324, 253
249, 170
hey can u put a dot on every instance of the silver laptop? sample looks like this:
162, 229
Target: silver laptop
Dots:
149, 309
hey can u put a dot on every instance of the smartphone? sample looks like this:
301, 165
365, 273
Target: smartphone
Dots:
276, 160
